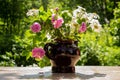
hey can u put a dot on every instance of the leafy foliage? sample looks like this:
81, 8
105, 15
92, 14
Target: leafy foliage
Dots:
115, 25
99, 50
16, 40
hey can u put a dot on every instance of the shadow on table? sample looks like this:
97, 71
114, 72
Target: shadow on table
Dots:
49, 75
7, 76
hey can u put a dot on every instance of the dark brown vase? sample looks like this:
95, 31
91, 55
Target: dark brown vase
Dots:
63, 55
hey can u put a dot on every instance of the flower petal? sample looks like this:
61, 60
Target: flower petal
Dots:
83, 27
58, 23
36, 27
38, 53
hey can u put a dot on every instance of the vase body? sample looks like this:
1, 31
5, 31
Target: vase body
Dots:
63, 55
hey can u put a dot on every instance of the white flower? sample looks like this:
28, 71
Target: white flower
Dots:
79, 12
95, 25
75, 12
32, 12
74, 22
48, 36
68, 13
91, 16
52, 10
81, 8
84, 16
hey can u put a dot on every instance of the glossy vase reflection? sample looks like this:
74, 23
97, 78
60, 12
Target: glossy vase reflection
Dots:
63, 55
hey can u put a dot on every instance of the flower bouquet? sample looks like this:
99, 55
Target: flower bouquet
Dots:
62, 31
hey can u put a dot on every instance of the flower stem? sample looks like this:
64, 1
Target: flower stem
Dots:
34, 41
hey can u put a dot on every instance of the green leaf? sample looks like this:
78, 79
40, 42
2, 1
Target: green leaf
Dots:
29, 54
41, 9
45, 39
9, 54
37, 59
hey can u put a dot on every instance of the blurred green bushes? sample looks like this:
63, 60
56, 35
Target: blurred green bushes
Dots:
96, 49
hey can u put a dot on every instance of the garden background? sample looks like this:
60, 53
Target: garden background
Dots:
96, 49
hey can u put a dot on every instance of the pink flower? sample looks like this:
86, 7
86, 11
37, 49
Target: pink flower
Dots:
53, 18
38, 53
83, 28
56, 8
36, 27
58, 23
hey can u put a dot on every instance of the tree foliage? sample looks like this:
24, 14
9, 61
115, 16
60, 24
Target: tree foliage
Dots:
15, 43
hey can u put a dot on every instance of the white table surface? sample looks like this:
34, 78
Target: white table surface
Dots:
82, 73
